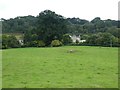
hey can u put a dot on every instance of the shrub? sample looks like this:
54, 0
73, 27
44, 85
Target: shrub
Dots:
41, 44
13, 42
66, 39
35, 43
56, 43
9, 42
77, 41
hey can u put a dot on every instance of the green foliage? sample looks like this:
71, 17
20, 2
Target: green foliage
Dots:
85, 36
77, 41
49, 20
29, 36
66, 39
35, 43
77, 21
50, 26
19, 24
9, 42
114, 31
89, 28
56, 43
4, 42
41, 44
102, 39
13, 42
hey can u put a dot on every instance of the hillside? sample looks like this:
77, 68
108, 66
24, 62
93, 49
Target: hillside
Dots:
49, 26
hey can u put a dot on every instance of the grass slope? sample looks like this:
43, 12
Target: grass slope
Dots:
87, 67
0, 69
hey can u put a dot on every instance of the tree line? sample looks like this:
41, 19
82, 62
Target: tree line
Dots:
51, 29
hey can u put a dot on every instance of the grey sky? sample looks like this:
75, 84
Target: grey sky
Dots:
84, 9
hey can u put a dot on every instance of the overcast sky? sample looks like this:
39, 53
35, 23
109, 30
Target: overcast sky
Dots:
84, 9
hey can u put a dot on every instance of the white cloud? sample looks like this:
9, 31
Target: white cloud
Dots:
84, 9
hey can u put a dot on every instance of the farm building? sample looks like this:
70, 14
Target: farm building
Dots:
21, 41
75, 37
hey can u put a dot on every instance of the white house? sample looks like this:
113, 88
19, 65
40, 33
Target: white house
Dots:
74, 38
21, 41
82, 41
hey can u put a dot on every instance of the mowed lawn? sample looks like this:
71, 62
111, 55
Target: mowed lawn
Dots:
86, 67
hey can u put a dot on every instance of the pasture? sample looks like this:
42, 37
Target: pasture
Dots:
0, 69
56, 67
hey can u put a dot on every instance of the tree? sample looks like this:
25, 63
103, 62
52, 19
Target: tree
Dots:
89, 28
77, 21
10, 42
107, 39
4, 42
91, 40
50, 26
98, 24
27, 37
13, 42
66, 39
19, 24
114, 31
102, 39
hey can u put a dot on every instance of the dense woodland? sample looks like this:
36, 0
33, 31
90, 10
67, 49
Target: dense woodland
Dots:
51, 29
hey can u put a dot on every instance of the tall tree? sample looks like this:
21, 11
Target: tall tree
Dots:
50, 26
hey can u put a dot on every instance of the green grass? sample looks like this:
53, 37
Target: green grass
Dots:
86, 67
0, 69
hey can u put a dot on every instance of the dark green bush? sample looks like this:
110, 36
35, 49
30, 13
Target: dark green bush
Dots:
9, 42
66, 39
35, 43
77, 41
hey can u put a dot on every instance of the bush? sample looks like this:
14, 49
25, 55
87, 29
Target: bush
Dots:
9, 42
77, 41
66, 39
35, 43
13, 42
56, 43
41, 44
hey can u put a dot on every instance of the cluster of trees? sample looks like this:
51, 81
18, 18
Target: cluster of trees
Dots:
51, 29
96, 32
90, 27
103, 39
50, 26
19, 24
9, 41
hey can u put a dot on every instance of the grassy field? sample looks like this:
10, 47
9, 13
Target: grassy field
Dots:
86, 67
0, 69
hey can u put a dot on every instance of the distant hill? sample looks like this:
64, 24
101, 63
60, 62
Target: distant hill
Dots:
74, 25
